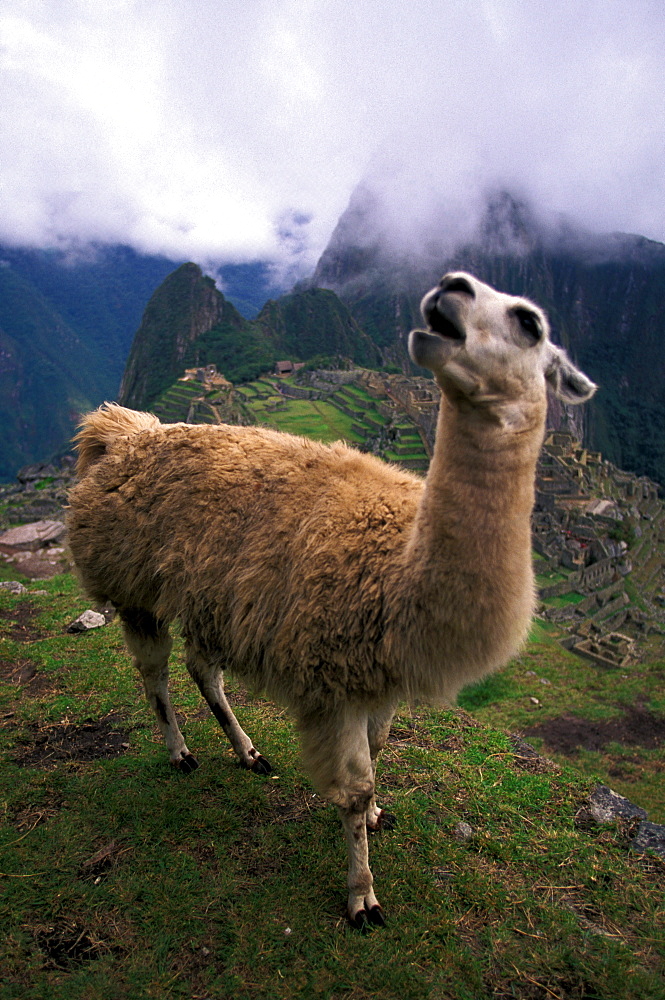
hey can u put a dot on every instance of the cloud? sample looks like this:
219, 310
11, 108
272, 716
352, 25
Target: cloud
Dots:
234, 130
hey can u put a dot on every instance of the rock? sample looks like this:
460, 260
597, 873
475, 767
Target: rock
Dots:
463, 831
30, 537
40, 470
606, 806
528, 759
38, 566
649, 837
39, 510
89, 619
14, 587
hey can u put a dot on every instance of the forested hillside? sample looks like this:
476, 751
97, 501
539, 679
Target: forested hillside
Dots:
67, 320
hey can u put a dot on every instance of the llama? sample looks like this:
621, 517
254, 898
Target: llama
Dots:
333, 582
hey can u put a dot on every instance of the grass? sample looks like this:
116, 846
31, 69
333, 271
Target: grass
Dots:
356, 390
314, 418
549, 578
321, 420
392, 456
567, 686
122, 878
571, 597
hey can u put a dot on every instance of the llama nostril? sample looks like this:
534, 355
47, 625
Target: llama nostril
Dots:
457, 285
438, 322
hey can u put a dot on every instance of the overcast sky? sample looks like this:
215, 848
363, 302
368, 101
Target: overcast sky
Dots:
237, 129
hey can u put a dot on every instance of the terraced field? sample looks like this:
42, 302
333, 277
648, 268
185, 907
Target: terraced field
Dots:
174, 404
349, 414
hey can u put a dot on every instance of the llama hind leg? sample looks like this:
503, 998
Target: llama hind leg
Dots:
149, 642
211, 685
378, 728
337, 755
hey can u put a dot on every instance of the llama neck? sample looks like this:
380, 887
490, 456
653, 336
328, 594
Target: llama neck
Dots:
479, 492
465, 592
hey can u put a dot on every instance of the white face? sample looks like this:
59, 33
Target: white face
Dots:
485, 346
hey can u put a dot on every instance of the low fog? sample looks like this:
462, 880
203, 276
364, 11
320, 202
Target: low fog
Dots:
232, 131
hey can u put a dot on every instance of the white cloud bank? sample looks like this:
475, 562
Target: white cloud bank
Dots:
237, 129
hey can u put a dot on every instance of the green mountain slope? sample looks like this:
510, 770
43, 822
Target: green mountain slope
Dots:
315, 322
101, 295
48, 375
93, 297
186, 307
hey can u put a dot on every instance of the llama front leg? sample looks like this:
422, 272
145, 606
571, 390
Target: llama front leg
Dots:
337, 755
211, 685
362, 905
149, 642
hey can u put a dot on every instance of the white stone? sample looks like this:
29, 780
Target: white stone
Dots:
89, 619
30, 537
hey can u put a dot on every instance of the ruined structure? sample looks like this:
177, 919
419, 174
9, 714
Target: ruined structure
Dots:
598, 535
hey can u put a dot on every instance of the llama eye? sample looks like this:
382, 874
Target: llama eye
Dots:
529, 323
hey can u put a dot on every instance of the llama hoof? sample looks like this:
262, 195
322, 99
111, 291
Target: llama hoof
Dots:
186, 764
261, 765
387, 821
376, 917
384, 821
365, 919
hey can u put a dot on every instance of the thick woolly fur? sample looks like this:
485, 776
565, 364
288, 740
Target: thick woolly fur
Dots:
274, 551
337, 584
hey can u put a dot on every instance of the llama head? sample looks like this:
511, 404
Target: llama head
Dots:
485, 347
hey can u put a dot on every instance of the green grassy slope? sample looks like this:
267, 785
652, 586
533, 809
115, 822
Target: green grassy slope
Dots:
122, 878
604, 721
316, 322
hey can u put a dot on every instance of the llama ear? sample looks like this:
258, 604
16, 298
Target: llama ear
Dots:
567, 382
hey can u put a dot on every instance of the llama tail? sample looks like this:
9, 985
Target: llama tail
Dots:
101, 427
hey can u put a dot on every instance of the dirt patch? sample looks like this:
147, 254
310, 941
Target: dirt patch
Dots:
101, 862
296, 809
20, 626
568, 734
25, 674
29, 817
40, 565
50, 745
407, 732
452, 744
635, 768
18, 672
66, 944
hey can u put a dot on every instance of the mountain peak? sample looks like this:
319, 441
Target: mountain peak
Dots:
508, 226
186, 305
